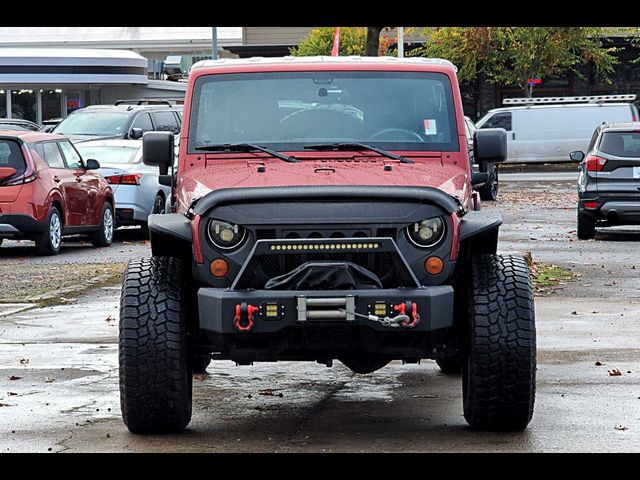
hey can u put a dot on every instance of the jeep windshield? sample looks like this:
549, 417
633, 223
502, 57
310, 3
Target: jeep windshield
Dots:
96, 123
288, 111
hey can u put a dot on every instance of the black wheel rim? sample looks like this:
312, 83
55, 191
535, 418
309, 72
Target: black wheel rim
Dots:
158, 206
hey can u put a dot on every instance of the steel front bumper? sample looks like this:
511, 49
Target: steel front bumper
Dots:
273, 310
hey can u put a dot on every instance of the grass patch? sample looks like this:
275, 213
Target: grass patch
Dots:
25, 283
546, 275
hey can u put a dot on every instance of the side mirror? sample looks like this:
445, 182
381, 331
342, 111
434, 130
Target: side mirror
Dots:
92, 164
48, 129
136, 133
6, 172
490, 145
576, 156
157, 150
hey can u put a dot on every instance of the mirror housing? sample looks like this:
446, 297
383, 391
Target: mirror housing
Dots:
136, 133
92, 164
157, 150
576, 156
490, 145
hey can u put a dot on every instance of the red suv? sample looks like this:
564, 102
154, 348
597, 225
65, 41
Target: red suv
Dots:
47, 191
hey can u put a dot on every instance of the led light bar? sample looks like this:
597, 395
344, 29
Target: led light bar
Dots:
326, 246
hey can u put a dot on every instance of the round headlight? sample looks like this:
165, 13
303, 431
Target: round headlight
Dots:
225, 235
427, 232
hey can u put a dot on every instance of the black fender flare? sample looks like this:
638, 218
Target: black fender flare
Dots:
170, 234
479, 230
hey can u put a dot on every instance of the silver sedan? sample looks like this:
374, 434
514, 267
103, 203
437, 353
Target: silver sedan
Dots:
134, 184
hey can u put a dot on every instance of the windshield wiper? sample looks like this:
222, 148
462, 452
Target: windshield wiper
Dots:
358, 146
245, 147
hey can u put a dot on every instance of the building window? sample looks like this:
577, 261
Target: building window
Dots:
24, 105
51, 101
3, 104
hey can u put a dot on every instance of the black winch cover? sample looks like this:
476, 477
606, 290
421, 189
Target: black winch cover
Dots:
326, 276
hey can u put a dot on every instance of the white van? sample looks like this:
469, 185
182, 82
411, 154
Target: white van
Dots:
548, 129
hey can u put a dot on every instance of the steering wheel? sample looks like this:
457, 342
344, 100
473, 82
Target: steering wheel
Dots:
404, 131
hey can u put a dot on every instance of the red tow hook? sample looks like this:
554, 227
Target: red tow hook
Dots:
243, 320
411, 307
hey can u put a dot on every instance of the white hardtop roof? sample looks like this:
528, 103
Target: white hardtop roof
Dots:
353, 59
557, 105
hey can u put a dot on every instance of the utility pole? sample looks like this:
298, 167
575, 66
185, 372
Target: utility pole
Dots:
214, 43
400, 42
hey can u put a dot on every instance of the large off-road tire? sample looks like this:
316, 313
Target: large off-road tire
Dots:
499, 377
155, 373
586, 227
489, 191
49, 241
103, 236
450, 366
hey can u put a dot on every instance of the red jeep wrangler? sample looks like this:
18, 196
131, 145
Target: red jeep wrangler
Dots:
324, 209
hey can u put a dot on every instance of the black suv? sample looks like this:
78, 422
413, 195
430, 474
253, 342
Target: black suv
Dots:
126, 119
609, 183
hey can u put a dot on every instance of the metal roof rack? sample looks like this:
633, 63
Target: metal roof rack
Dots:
143, 101
581, 99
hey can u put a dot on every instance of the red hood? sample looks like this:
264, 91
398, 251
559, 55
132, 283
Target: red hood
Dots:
425, 172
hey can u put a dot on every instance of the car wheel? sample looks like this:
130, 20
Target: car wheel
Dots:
450, 366
156, 381
499, 372
586, 227
103, 236
50, 240
489, 190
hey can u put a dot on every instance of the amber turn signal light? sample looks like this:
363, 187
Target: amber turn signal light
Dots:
219, 267
433, 265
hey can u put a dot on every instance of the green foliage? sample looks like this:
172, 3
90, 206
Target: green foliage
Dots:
512, 55
320, 42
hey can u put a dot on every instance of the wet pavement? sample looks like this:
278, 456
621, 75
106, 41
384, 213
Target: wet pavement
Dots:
67, 399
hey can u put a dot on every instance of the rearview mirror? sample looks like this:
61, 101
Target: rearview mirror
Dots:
92, 164
490, 145
157, 150
136, 133
576, 156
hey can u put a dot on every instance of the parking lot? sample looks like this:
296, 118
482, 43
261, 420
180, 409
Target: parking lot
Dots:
59, 377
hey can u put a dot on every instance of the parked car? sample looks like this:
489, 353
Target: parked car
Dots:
324, 211
122, 120
48, 191
609, 179
135, 185
18, 124
489, 189
547, 129
48, 125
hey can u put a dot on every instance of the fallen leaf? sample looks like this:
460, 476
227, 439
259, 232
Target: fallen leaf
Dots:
49, 380
109, 319
14, 377
5, 405
269, 392
598, 363
614, 372
620, 427
200, 376
574, 313
11, 393
24, 361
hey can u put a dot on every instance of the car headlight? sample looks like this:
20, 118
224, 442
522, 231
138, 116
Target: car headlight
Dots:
225, 235
426, 233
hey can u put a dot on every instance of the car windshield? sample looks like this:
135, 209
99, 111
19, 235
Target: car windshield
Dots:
621, 144
93, 123
288, 110
109, 154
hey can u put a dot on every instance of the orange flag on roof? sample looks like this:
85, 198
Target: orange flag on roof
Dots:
335, 51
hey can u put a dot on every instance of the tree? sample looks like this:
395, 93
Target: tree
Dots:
372, 43
513, 55
352, 42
